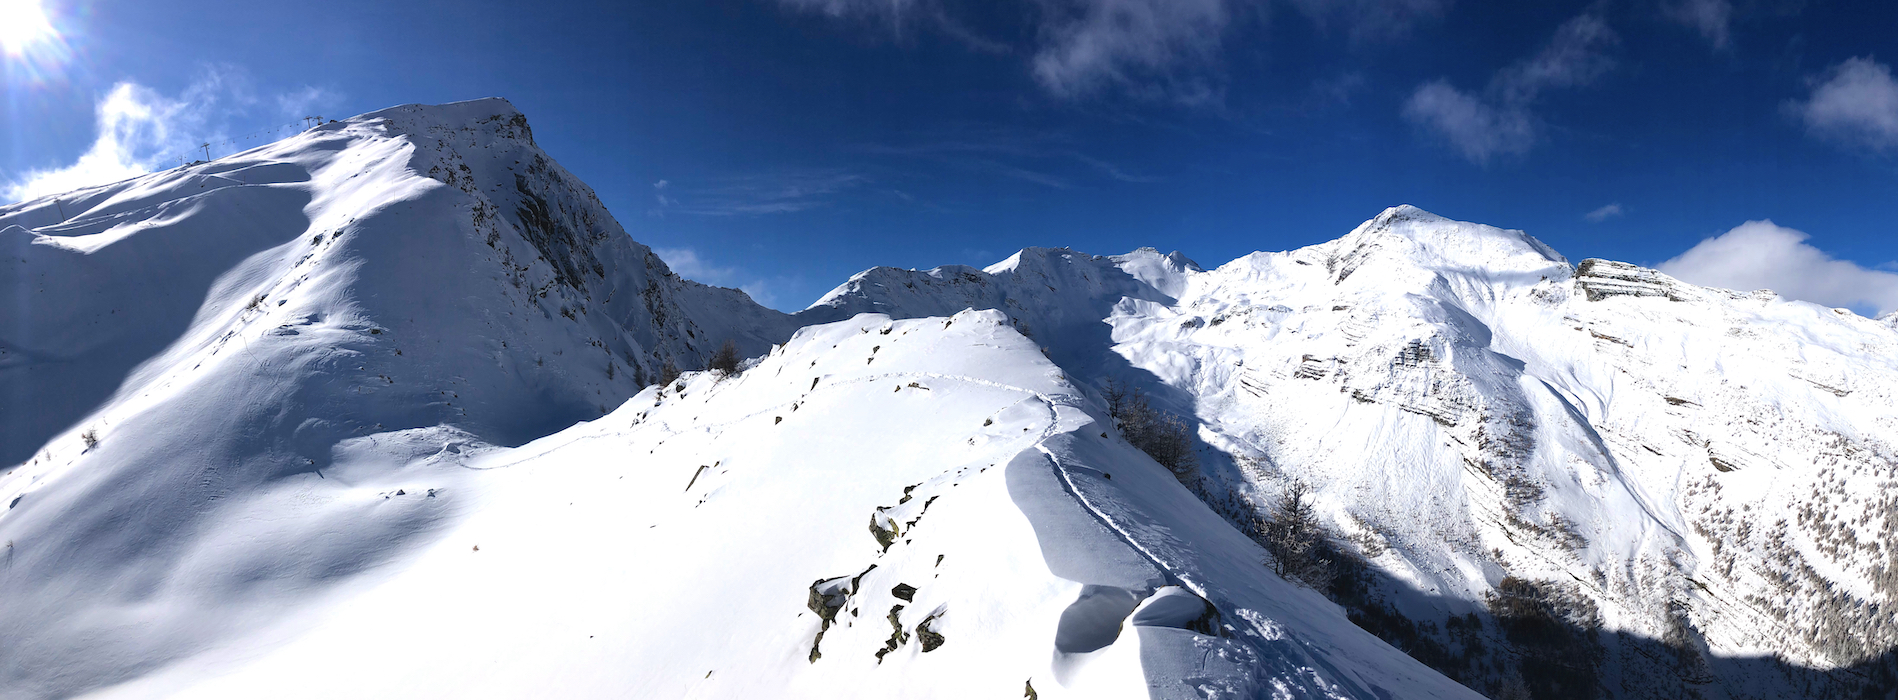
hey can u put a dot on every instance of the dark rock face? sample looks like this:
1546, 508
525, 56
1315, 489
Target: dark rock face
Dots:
565, 239
927, 635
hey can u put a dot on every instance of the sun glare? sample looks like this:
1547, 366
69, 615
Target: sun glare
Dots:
23, 24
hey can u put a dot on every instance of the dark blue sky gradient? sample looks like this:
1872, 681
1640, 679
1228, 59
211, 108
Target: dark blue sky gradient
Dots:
798, 148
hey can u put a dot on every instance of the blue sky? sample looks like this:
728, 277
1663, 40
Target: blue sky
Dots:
783, 145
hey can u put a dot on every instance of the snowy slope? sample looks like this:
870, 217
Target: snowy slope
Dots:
684, 545
1709, 470
183, 353
373, 408
319, 411
1056, 296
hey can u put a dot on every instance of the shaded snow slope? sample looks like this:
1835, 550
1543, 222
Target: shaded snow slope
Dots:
1709, 471
1056, 296
934, 488
191, 362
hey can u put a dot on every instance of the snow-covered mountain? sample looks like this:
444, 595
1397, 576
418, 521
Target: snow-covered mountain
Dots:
385, 408
1697, 477
182, 355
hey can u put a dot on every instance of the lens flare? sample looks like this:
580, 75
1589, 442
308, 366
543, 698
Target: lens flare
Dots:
24, 27
34, 46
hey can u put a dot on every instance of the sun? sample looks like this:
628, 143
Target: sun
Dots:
23, 24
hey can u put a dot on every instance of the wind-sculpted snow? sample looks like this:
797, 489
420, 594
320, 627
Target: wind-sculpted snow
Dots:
195, 366
1055, 296
386, 408
669, 549
1707, 469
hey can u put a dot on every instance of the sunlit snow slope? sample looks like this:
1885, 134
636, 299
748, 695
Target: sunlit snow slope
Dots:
312, 421
1699, 477
934, 488
184, 356
377, 411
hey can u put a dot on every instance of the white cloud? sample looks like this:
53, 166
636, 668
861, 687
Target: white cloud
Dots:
305, 102
1499, 122
1574, 56
1712, 18
1855, 102
141, 129
1763, 255
130, 118
1160, 49
760, 292
752, 195
1477, 129
1091, 44
687, 263
1605, 213
1042, 158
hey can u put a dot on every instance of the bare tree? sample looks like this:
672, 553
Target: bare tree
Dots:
725, 361
1164, 437
1295, 539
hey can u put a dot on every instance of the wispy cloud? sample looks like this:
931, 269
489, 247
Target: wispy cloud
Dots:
1089, 45
140, 129
133, 123
1372, 20
1151, 49
1499, 122
1763, 255
842, 8
1854, 103
1476, 128
304, 101
1605, 213
899, 17
1158, 50
687, 263
753, 195
1042, 159
1712, 18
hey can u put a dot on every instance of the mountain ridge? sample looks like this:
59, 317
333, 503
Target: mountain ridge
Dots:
316, 372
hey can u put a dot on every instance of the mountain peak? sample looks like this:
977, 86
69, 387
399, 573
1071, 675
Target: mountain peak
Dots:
1406, 237
495, 113
1406, 212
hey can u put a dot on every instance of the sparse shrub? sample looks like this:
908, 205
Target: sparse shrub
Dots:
725, 361
1164, 437
90, 437
668, 373
1293, 536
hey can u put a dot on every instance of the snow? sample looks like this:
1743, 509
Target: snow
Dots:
1033, 567
1476, 406
223, 330
364, 408
374, 408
